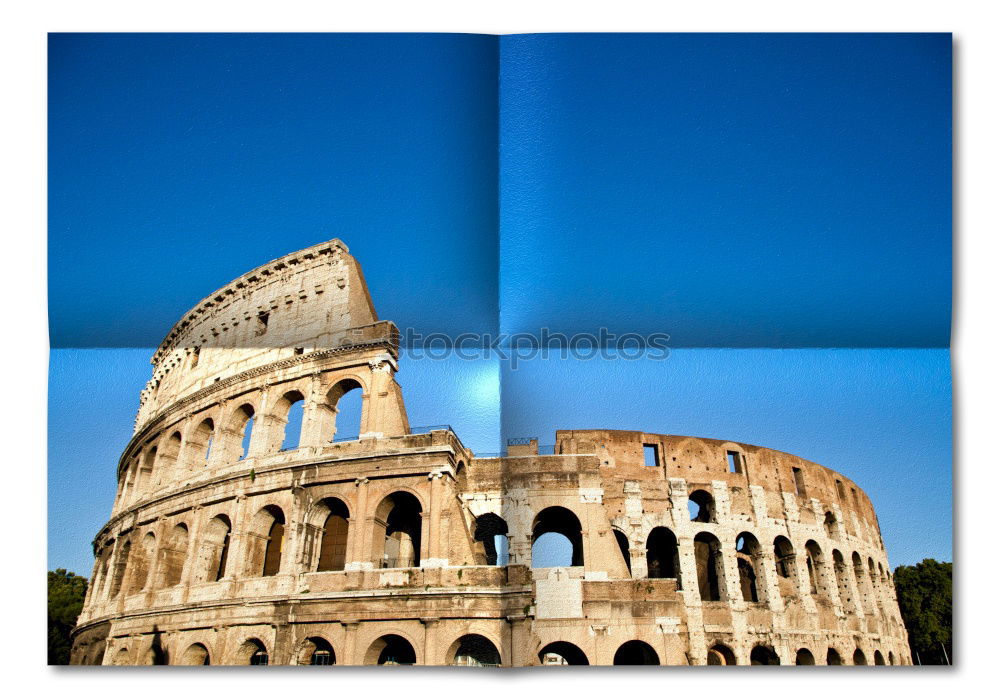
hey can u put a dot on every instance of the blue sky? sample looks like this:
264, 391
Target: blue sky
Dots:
730, 190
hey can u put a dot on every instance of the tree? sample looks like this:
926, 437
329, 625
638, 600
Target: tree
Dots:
924, 593
66, 593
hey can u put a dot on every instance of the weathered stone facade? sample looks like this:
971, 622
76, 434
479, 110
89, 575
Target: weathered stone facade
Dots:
224, 548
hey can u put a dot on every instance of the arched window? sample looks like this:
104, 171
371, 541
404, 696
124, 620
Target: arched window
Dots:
242, 426
701, 506
474, 650
266, 542
398, 524
491, 532
662, 559
144, 482
121, 565
290, 408
253, 652
708, 558
814, 566
833, 657
391, 649
316, 651
830, 524
892, 659
636, 652
720, 655
879, 660
804, 658
748, 563
215, 549
623, 546
344, 404
859, 658
173, 556
556, 539
843, 581
170, 452
143, 562
762, 655
195, 655
199, 444
562, 654
784, 565
333, 547
859, 578
122, 658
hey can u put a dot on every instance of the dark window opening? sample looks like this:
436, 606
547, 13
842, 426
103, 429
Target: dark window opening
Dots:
259, 658
261, 328
651, 455
195, 355
800, 483
622, 540
840, 489
701, 506
735, 460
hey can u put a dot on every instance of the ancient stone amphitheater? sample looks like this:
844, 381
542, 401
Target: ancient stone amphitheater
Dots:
234, 541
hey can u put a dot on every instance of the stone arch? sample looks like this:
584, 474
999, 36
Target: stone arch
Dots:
830, 526
195, 655
491, 536
662, 555
892, 658
335, 527
804, 658
859, 658
214, 559
748, 564
254, 652
711, 574
316, 651
144, 557
288, 414
864, 603
170, 453
559, 523
833, 657
701, 506
721, 655
241, 426
265, 542
391, 649
121, 565
123, 657
199, 443
816, 569
346, 396
879, 660
473, 650
144, 480
562, 654
764, 655
173, 555
623, 546
636, 652
398, 531
843, 581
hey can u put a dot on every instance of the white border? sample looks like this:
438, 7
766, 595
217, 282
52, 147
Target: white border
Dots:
25, 349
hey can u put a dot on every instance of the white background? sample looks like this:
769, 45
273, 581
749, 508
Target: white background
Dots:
24, 348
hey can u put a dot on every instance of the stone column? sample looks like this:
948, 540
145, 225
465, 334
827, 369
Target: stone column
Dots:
313, 421
359, 532
430, 642
351, 654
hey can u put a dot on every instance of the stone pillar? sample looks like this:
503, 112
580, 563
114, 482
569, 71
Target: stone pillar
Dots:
767, 580
359, 533
313, 417
352, 655
518, 646
430, 643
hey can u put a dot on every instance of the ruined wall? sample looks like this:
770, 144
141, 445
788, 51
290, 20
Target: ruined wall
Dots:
227, 545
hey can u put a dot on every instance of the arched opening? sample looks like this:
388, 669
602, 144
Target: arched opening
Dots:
243, 421
143, 562
830, 524
879, 660
748, 563
145, 479
804, 658
701, 506
291, 407
266, 542
215, 549
864, 602
762, 655
345, 402
859, 658
122, 657
333, 546
195, 655
623, 546
720, 655
170, 451
474, 650
316, 651
253, 652
556, 539
636, 652
391, 650
875, 584
784, 565
173, 556
833, 657
398, 523
199, 444
562, 654
121, 565
491, 532
708, 558
843, 581
662, 558
814, 567
892, 659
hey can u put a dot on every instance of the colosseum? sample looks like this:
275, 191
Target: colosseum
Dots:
239, 535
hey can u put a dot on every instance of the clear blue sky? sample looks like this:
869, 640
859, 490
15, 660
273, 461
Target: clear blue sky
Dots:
731, 190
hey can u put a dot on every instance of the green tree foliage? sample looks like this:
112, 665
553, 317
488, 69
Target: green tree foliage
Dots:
66, 592
924, 592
